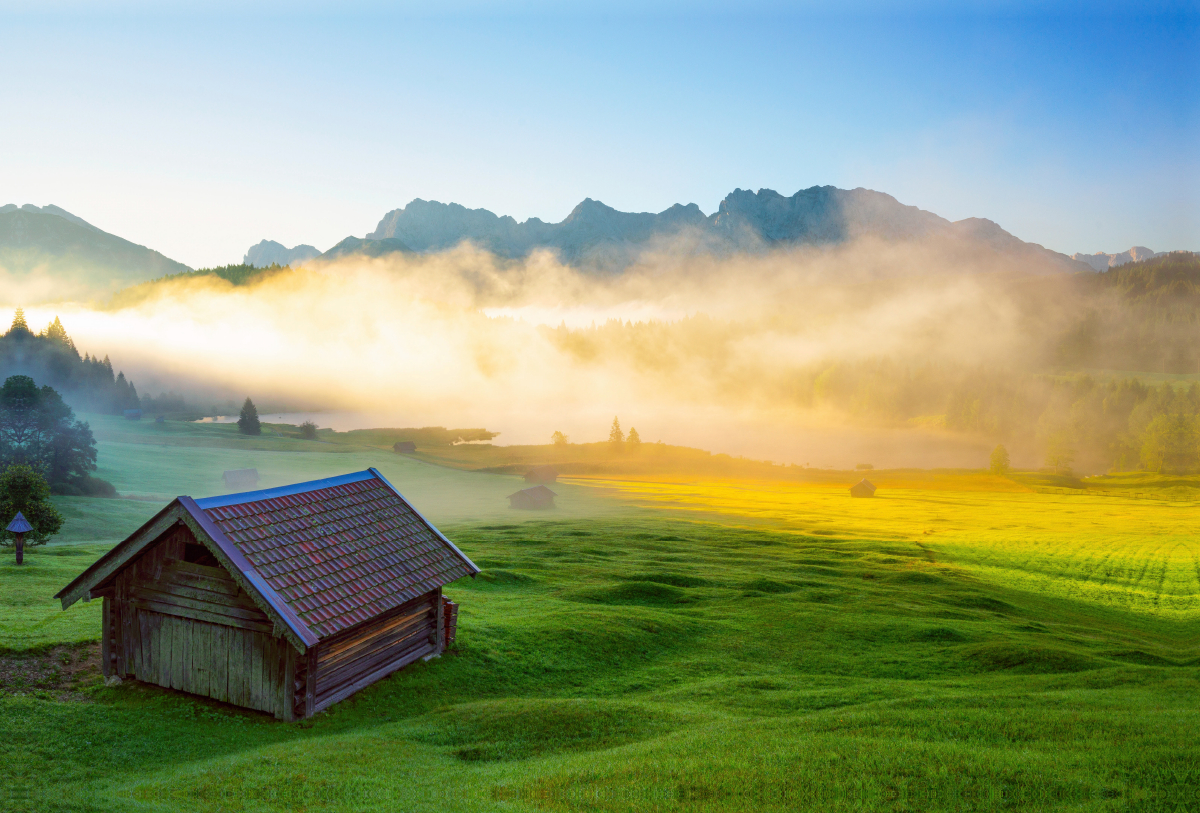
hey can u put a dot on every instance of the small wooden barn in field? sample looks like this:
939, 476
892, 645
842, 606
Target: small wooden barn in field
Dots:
532, 498
541, 474
285, 600
863, 488
244, 479
404, 447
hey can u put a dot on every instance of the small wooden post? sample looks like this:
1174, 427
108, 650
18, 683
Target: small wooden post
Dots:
19, 527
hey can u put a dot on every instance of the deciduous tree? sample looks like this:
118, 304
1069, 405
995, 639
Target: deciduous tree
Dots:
999, 462
23, 489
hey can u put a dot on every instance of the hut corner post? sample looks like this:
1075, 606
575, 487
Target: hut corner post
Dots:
20, 545
440, 642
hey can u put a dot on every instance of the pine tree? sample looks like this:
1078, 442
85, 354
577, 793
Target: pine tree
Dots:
248, 423
615, 436
634, 439
18, 325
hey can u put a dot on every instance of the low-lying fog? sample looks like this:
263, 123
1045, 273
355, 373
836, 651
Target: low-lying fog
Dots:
731, 355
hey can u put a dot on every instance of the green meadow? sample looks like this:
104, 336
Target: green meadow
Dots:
665, 643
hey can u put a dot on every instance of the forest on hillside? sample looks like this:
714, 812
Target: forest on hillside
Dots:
50, 358
1074, 394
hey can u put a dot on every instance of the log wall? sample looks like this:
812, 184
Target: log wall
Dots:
363, 654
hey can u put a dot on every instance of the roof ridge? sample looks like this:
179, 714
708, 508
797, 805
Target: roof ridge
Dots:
225, 500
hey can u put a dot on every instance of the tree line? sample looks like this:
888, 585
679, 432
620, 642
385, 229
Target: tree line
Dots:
51, 358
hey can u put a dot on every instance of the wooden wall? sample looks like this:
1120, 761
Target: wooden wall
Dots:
361, 655
188, 626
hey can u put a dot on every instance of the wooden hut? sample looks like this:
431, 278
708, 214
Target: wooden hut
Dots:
541, 475
285, 600
404, 447
532, 498
864, 488
242, 479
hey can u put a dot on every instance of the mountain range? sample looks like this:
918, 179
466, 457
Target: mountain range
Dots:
597, 237
48, 254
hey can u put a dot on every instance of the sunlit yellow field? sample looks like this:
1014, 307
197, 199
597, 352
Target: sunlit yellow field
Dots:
1136, 553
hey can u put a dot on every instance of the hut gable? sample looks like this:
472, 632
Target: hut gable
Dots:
285, 600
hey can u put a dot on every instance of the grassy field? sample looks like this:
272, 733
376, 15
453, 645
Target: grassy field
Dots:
961, 642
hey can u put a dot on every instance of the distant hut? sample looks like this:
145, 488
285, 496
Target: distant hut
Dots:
534, 498
244, 479
865, 488
404, 447
541, 474
133, 414
286, 600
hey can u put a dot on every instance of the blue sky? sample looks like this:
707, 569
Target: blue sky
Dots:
199, 133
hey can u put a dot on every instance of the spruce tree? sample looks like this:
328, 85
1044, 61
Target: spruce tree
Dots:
19, 325
634, 439
615, 436
248, 421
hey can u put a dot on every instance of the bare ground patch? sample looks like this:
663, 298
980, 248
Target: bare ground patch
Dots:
61, 672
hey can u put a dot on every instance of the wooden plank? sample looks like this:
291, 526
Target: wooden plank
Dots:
168, 633
248, 667
157, 650
392, 640
200, 615
256, 671
185, 629
199, 570
310, 682
200, 665
287, 682
186, 578
275, 691
106, 637
366, 680
184, 590
242, 651
353, 649
441, 622
218, 680
145, 593
180, 643
410, 609
145, 660
329, 680
118, 651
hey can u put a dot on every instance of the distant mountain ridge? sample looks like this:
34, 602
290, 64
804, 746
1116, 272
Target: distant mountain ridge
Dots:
49, 254
268, 252
1102, 262
598, 237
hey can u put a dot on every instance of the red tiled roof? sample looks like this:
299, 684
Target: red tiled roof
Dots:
339, 554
